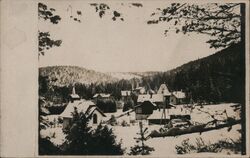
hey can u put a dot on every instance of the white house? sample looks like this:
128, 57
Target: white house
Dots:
87, 107
177, 97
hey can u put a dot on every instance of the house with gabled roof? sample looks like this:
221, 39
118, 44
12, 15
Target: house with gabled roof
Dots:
87, 107
144, 109
177, 97
161, 98
162, 117
163, 90
102, 96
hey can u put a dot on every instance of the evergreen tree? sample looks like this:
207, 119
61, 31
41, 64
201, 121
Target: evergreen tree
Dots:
141, 149
78, 135
103, 142
83, 140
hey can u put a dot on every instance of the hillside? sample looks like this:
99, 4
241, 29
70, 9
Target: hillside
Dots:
66, 75
218, 77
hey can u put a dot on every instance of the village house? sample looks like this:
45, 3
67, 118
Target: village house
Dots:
162, 116
139, 90
126, 95
177, 97
87, 107
161, 98
101, 96
163, 90
144, 109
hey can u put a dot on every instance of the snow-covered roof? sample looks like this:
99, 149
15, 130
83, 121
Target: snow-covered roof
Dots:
157, 98
74, 96
126, 93
103, 95
85, 106
173, 111
138, 88
147, 97
164, 90
143, 97
179, 94
178, 111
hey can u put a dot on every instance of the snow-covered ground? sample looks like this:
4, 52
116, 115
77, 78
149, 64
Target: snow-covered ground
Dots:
166, 146
163, 146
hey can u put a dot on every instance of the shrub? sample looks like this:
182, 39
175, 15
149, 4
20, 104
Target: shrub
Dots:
201, 146
113, 121
124, 123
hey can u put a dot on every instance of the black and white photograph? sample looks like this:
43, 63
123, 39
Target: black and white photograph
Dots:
142, 78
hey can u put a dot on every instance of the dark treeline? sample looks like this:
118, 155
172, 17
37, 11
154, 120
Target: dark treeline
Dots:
60, 95
216, 78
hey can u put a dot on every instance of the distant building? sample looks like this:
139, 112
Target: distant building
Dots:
155, 98
177, 97
87, 107
101, 96
126, 95
161, 98
163, 90
145, 109
158, 117
139, 90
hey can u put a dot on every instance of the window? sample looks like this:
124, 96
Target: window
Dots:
94, 119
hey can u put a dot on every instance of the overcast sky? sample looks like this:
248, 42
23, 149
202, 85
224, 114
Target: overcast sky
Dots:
118, 46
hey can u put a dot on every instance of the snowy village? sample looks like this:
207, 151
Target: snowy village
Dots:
168, 117
154, 78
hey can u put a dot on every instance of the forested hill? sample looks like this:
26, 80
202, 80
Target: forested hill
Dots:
67, 75
218, 77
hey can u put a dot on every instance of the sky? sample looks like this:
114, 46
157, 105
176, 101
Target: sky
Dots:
131, 45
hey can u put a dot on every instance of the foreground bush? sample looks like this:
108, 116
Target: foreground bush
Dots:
200, 146
83, 140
